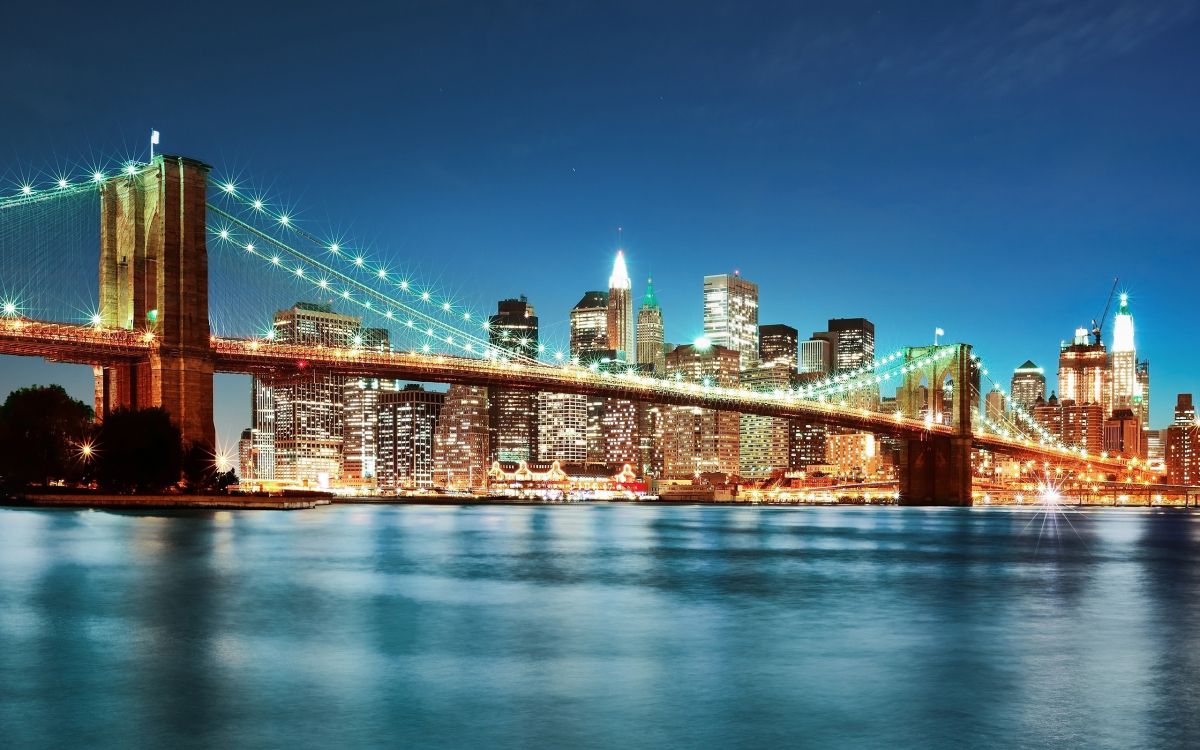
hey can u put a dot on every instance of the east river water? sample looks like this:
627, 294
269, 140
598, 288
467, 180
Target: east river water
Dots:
602, 626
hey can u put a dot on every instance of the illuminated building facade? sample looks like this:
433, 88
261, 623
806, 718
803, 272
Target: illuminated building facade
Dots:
589, 324
513, 412
853, 455
308, 408
702, 440
245, 467
460, 444
1076, 425
651, 433
262, 428
360, 431
619, 321
1123, 434
816, 356
993, 405
853, 343
650, 332
562, 428
1126, 392
806, 444
731, 315
1028, 385
764, 442
779, 344
1182, 444
408, 422
1143, 384
1083, 372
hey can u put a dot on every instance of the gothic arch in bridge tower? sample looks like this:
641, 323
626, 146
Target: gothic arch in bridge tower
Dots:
154, 278
935, 469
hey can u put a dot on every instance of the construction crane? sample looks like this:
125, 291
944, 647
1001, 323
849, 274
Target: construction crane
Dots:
1098, 326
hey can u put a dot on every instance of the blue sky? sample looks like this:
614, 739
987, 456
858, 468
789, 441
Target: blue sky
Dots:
988, 167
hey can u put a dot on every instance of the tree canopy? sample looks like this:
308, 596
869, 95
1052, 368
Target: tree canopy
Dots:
42, 434
138, 450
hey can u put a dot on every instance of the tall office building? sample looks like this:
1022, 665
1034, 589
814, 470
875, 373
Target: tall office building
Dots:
650, 332
619, 315
1182, 444
360, 433
408, 421
1076, 425
1123, 434
993, 405
779, 344
816, 357
562, 428
731, 315
460, 444
262, 427
1143, 387
1084, 375
651, 434
807, 441
763, 442
1126, 394
245, 468
853, 343
309, 407
589, 324
702, 440
512, 412
1028, 385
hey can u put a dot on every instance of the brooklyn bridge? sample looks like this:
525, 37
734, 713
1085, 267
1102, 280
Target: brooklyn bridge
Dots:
155, 338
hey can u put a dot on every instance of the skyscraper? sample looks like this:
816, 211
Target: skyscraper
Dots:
1182, 444
650, 332
1028, 385
994, 404
589, 324
619, 314
408, 421
1126, 394
731, 315
262, 427
1084, 375
309, 407
763, 442
816, 357
853, 343
1143, 381
460, 445
702, 440
360, 419
562, 428
779, 344
512, 412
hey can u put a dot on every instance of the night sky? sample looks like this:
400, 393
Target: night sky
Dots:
987, 167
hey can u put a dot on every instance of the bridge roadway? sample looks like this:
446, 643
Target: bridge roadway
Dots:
90, 345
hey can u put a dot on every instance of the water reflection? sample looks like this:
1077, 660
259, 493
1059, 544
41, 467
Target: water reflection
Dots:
599, 626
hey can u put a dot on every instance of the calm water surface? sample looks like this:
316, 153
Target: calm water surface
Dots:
603, 626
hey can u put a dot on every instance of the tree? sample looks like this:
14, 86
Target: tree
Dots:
42, 432
138, 450
201, 473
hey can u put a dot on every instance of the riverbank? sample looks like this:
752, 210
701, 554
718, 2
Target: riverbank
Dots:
167, 502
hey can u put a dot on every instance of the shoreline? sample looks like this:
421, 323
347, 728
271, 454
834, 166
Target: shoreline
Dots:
310, 502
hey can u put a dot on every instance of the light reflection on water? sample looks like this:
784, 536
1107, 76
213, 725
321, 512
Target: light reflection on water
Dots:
599, 626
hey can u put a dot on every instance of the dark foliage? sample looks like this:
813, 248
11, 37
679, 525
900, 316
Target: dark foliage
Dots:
41, 432
138, 450
200, 471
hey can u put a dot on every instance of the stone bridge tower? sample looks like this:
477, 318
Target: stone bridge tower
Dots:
935, 469
154, 278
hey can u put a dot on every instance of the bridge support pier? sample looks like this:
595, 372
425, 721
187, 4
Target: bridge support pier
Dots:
935, 471
154, 278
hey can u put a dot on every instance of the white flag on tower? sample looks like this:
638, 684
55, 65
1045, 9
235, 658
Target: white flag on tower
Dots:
154, 137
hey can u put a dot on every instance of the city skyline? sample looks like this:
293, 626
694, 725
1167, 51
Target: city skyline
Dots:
1014, 225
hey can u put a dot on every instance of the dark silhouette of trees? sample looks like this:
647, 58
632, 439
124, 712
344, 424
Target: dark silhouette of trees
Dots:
42, 432
200, 472
138, 450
